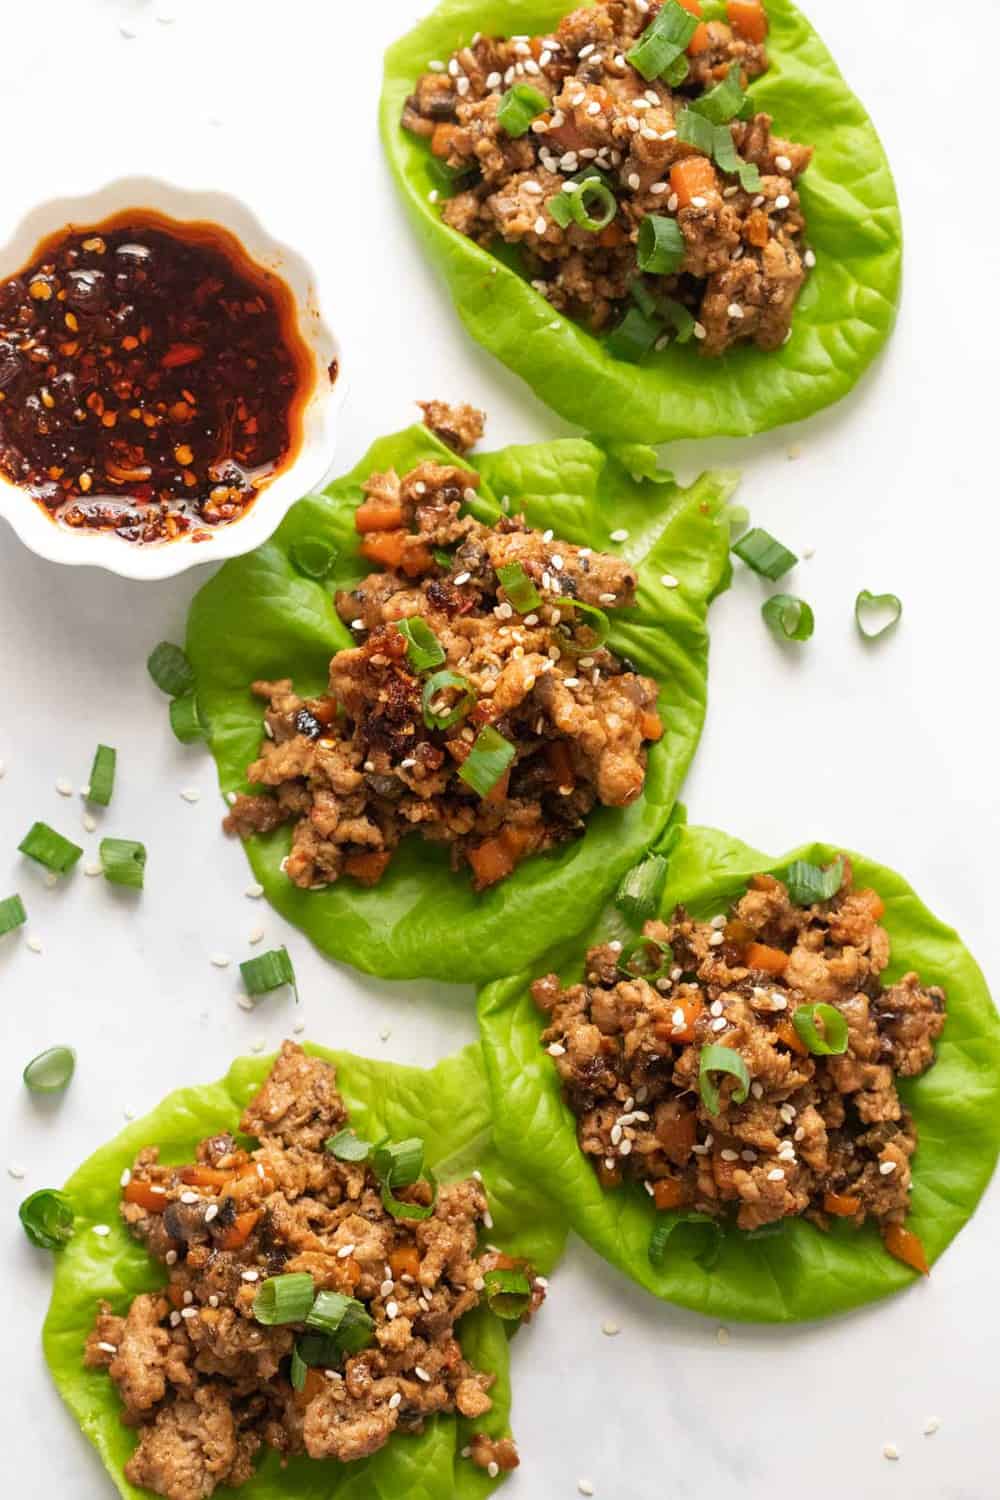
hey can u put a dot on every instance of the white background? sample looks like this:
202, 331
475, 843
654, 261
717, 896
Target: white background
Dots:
891, 749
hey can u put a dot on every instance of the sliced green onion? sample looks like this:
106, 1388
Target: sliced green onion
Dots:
443, 559
170, 669
725, 153
677, 314
725, 101
790, 618
402, 1210
593, 619
739, 519
347, 1146
519, 106
47, 1218
664, 40
486, 761
808, 884
886, 604
51, 1071
299, 1369
448, 717
561, 206
649, 970
284, 1299
185, 719
716, 1059
342, 1319
48, 848
399, 1163
519, 588
764, 555
690, 1236
508, 1294
694, 130
102, 776
593, 205
676, 72
269, 971
445, 178
831, 1041
313, 556
634, 336
661, 246
123, 862
640, 891
12, 914
315, 1350
423, 649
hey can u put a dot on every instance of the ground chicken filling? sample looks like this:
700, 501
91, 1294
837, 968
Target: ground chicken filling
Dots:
206, 1384
359, 769
740, 264
817, 1135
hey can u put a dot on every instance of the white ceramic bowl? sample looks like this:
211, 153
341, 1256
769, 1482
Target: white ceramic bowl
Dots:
310, 469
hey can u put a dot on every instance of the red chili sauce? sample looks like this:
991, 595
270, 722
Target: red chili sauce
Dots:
152, 377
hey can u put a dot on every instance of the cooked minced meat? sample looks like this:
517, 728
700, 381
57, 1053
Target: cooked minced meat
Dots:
459, 425
205, 1383
357, 770
744, 262
818, 1135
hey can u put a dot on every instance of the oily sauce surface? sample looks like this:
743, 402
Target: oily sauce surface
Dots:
152, 377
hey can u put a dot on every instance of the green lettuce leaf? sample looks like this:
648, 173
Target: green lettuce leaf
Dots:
260, 617
844, 315
448, 1106
797, 1272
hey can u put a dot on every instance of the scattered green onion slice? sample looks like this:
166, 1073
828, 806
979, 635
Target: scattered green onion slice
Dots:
519, 588
865, 602
729, 159
123, 862
716, 1059
12, 914
443, 559
790, 618
640, 891
661, 246
690, 1236
676, 72
561, 206
519, 106
298, 1371
399, 1163
284, 1299
593, 205
445, 178
763, 554
185, 719
102, 776
808, 884
402, 1210
48, 848
832, 1040
341, 1318
663, 41
347, 1146
313, 556
423, 649
647, 970
634, 336
170, 669
594, 619
694, 130
313, 1349
508, 1294
51, 1071
725, 101
678, 315
269, 971
739, 519
486, 761
448, 717
47, 1218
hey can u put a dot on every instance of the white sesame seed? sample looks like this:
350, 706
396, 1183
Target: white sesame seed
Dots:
585, 1486
787, 1113
669, 581
125, 1178
33, 944
250, 1275
782, 201
541, 224
89, 823
257, 1046
606, 598
188, 1298
191, 794
213, 1300
571, 682
211, 1212
610, 1329
51, 879
64, 787
175, 1320
189, 1312
421, 1373
728, 1154
15, 1171
494, 80
435, 66
108, 1348
720, 1023
931, 1426
101, 1230
716, 940
621, 535
220, 960
488, 1219
189, 1197
890, 1451
810, 259
699, 202
722, 1335
634, 180
391, 1310
776, 1174
735, 311
433, 195
493, 1468
394, 1401
461, 578
345, 1251
92, 868
887, 1168
783, 163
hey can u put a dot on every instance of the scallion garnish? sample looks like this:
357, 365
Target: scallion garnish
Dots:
679, 317
831, 1040
12, 914
561, 207
284, 1299
298, 1371
123, 862
519, 106
48, 848
725, 101
640, 890
718, 1059
47, 1218
443, 559
343, 1319
664, 41
446, 718
594, 620
763, 554
808, 884
690, 1236
313, 556
347, 1146
661, 246
657, 959
445, 178
102, 776
887, 607
716, 141
396, 1164
519, 588
269, 971
486, 761
790, 618
423, 649
51, 1071
633, 337
508, 1294
170, 669
591, 204
185, 719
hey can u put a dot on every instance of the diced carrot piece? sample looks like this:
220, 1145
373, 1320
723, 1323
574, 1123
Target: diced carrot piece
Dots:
693, 7
236, 1236
723, 1171
181, 354
738, 934
518, 840
442, 138
560, 762
668, 1193
677, 1132
651, 726
874, 902
906, 1246
842, 1205
377, 515
701, 40
567, 136
608, 1177
385, 547
768, 960
153, 1199
175, 1294
748, 19
667, 1031
367, 868
200, 1176
693, 177
786, 1033
498, 791
490, 862
611, 236
405, 1261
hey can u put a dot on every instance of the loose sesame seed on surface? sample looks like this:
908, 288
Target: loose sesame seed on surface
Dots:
64, 787
722, 1335
16, 1171
931, 1426
669, 581
190, 794
220, 960
890, 1451
102, 1230
585, 1486
33, 944
610, 1329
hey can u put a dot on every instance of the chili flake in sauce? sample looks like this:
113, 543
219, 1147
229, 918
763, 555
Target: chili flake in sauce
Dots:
151, 378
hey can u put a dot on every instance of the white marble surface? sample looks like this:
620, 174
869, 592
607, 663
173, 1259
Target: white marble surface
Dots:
892, 750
